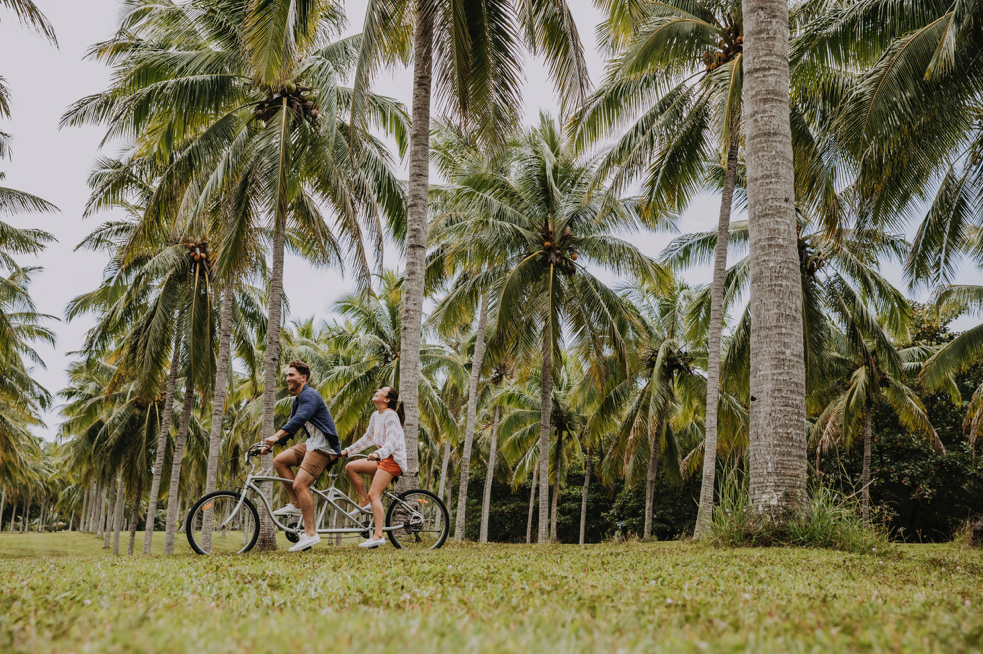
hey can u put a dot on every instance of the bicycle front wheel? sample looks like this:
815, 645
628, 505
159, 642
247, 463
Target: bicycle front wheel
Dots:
214, 528
420, 520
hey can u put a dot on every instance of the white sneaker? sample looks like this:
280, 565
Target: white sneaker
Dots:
371, 543
287, 511
355, 514
305, 543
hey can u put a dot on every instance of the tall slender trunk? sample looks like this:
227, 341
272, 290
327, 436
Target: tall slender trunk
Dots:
3, 506
476, 363
218, 410
27, 515
165, 429
135, 514
71, 521
443, 472
107, 530
416, 239
118, 514
583, 501
85, 506
173, 501
532, 504
100, 520
267, 530
655, 447
489, 478
44, 505
557, 479
545, 413
704, 517
778, 420
865, 493
91, 511
13, 517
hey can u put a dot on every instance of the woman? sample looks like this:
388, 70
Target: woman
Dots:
386, 463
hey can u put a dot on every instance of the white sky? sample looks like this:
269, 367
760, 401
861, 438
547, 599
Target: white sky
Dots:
55, 164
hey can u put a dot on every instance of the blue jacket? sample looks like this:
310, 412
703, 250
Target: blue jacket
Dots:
309, 410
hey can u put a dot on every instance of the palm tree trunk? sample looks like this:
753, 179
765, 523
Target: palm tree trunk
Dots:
173, 501
165, 429
218, 409
443, 471
476, 362
489, 478
532, 504
865, 492
107, 530
777, 429
27, 515
97, 521
546, 410
583, 502
704, 518
557, 478
13, 517
135, 515
416, 240
655, 443
44, 505
85, 506
118, 514
3, 506
71, 521
267, 531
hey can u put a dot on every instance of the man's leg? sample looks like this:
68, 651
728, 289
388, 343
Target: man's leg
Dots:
305, 500
283, 463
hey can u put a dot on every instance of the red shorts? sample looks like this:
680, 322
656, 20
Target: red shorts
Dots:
389, 465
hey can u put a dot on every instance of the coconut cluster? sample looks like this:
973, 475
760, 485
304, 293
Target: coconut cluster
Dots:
198, 253
296, 100
810, 261
730, 46
558, 251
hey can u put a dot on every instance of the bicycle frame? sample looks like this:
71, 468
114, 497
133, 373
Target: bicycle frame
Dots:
329, 496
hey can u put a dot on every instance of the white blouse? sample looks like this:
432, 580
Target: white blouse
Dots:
385, 433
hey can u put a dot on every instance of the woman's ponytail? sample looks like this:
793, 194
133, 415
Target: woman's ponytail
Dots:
396, 405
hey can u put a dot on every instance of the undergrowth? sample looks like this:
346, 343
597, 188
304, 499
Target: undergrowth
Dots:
830, 521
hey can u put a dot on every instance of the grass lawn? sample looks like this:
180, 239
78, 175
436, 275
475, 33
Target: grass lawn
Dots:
63, 593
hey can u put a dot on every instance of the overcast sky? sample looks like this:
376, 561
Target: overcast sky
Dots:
55, 164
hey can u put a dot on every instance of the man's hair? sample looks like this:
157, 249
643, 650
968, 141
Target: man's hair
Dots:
300, 367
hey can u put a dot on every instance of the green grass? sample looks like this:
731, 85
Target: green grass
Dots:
661, 597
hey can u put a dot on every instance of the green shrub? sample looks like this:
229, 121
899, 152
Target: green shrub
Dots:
830, 521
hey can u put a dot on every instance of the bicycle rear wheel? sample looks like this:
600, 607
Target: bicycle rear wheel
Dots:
421, 520
210, 531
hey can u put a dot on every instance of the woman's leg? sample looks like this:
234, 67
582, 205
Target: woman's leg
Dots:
379, 483
354, 471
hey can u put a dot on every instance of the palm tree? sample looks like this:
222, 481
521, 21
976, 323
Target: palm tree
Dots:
872, 370
520, 424
777, 417
541, 214
660, 403
476, 45
959, 355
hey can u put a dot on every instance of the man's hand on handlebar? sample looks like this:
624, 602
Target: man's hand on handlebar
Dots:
268, 444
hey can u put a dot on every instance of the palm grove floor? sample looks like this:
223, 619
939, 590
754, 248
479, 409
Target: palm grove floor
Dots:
63, 593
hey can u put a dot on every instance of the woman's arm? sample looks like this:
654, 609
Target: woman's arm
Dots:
365, 441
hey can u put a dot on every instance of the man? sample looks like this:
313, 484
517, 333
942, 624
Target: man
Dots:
310, 413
